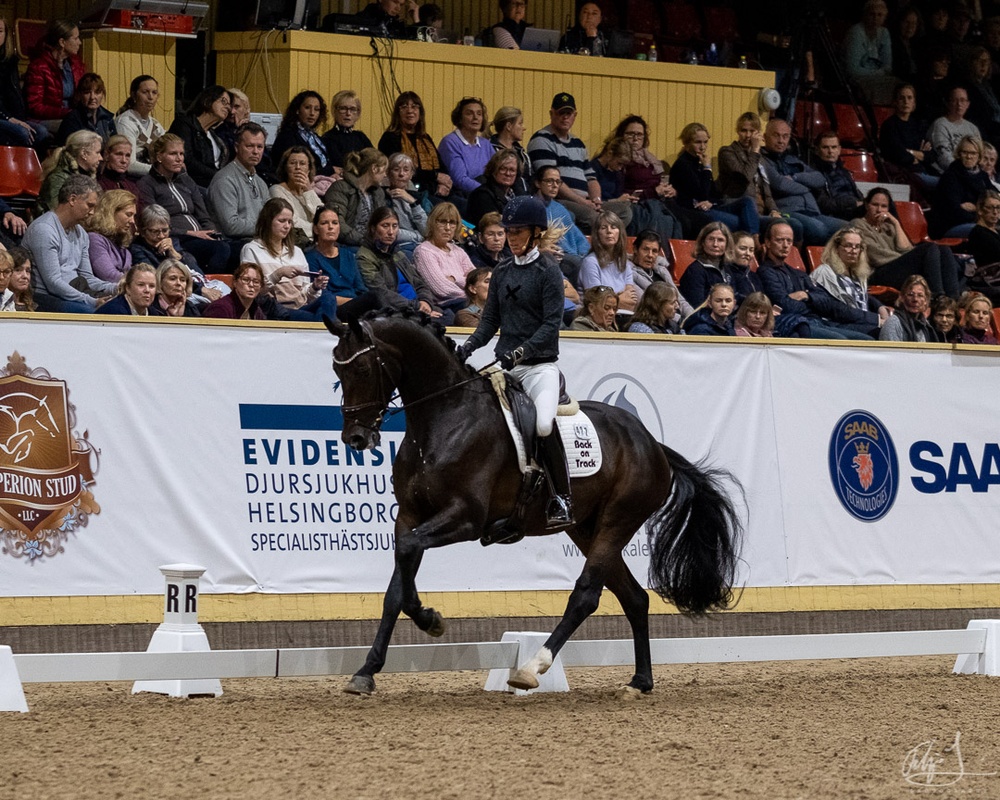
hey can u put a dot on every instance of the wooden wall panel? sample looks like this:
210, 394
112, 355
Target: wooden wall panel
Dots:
667, 95
119, 57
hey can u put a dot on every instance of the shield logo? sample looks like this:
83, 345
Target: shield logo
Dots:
40, 472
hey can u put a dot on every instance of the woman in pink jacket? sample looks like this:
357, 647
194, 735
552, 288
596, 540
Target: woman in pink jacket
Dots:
440, 262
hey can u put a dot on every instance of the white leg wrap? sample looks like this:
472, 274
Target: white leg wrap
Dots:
541, 662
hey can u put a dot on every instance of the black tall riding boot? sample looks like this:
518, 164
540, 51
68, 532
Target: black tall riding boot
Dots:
552, 455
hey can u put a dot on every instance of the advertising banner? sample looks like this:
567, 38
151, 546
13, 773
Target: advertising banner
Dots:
126, 445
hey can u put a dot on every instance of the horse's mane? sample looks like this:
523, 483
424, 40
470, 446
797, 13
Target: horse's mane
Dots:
419, 317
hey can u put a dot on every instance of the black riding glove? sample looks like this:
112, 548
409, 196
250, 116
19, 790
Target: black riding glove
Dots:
510, 360
462, 352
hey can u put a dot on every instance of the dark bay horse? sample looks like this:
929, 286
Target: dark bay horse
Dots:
456, 473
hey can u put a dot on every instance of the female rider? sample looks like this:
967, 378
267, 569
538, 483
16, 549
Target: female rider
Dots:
525, 303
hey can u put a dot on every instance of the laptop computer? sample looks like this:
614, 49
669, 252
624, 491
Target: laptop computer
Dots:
540, 40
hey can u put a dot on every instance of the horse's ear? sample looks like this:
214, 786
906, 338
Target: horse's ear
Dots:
338, 329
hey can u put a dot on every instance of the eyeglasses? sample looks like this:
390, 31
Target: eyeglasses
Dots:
253, 186
348, 109
6, 272
847, 246
916, 295
551, 181
507, 171
992, 207
249, 281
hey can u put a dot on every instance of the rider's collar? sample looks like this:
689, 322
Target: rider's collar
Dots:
528, 257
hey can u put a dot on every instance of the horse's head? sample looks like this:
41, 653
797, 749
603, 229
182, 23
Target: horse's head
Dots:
364, 379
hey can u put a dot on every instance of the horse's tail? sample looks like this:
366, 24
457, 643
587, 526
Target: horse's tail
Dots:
695, 539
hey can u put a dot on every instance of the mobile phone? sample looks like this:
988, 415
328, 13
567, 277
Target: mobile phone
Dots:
312, 274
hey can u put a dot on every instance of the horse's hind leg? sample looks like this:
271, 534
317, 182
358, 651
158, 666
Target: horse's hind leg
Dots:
583, 601
635, 602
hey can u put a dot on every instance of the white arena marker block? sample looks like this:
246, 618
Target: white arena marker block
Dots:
529, 643
986, 662
11, 693
180, 632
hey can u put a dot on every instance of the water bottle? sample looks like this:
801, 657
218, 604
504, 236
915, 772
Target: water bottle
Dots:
743, 62
652, 53
712, 56
468, 40
692, 57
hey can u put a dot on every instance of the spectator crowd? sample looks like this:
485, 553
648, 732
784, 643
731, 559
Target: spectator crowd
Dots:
200, 217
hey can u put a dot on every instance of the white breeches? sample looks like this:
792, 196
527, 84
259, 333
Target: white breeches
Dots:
541, 382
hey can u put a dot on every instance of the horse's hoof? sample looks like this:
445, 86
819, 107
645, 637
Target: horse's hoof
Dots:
523, 679
436, 625
628, 693
360, 684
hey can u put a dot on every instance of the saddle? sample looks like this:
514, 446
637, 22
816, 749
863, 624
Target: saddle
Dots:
515, 399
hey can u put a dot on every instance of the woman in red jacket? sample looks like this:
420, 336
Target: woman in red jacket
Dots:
52, 75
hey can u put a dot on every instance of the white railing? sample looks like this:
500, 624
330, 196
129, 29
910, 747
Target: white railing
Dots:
977, 643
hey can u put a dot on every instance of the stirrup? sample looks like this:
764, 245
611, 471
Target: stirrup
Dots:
559, 513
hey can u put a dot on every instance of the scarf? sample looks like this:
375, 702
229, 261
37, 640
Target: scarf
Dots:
645, 158
315, 144
422, 150
914, 325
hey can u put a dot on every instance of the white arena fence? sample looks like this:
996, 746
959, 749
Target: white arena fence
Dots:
976, 646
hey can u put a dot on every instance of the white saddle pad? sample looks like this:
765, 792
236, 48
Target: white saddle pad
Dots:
583, 448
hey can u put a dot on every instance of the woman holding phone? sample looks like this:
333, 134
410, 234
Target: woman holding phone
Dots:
286, 272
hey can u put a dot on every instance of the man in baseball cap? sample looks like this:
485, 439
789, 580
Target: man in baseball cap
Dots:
556, 146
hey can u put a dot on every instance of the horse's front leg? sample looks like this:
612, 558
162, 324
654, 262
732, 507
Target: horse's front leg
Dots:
363, 681
401, 595
452, 524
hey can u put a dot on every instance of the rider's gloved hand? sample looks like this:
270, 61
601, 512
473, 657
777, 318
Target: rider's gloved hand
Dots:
462, 352
510, 360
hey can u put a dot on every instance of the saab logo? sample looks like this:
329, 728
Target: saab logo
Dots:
626, 393
863, 466
45, 468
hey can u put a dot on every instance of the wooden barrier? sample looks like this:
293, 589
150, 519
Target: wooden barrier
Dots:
271, 67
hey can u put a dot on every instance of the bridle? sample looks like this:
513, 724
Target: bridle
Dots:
383, 373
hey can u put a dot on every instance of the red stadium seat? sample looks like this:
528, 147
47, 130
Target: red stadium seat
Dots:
10, 179
882, 113
223, 277
811, 120
886, 295
681, 256
29, 170
860, 164
814, 253
911, 217
27, 35
849, 125
795, 260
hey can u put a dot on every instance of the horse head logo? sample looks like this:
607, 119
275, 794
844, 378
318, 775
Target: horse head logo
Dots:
31, 417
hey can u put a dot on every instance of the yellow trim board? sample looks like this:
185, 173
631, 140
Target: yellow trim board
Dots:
121, 610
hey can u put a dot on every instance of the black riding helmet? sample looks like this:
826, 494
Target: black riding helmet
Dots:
525, 212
